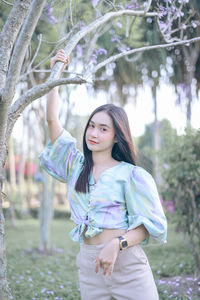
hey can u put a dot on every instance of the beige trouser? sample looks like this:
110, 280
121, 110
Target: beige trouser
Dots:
132, 278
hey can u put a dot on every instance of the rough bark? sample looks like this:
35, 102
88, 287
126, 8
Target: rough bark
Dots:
4, 292
7, 92
16, 61
7, 39
31, 95
21, 47
9, 34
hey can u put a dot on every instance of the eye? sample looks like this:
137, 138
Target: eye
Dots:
91, 125
103, 129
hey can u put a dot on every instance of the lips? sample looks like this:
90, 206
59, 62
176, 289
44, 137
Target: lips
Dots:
92, 142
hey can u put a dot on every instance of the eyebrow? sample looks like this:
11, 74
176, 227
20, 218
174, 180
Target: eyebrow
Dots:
104, 125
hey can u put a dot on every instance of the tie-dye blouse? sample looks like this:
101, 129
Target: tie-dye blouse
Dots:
124, 197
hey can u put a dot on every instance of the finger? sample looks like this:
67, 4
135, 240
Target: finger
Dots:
111, 269
101, 263
60, 52
63, 58
105, 269
60, 59
66, 61
97, 265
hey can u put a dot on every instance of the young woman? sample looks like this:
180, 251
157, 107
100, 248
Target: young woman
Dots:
114, 203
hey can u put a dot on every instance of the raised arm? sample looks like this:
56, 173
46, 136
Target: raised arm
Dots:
52, 106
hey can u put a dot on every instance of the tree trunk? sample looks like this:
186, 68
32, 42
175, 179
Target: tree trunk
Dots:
190, 58
12, 172
13, 188
4, 292
11, 206
189, 77
156, 140
29, 181
46, 211
21, 185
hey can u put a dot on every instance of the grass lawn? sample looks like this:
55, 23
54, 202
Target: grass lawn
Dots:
32, 275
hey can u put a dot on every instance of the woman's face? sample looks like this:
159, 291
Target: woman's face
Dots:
100, 134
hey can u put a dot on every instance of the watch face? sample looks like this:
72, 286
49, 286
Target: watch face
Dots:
124, 244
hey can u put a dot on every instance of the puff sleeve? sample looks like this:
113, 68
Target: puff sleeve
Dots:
62, 157
144, 206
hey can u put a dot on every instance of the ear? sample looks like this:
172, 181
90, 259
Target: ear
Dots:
115, 140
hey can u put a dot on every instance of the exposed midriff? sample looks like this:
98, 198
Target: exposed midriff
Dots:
105, 236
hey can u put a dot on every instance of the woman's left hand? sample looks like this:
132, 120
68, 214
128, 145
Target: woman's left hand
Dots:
107, 257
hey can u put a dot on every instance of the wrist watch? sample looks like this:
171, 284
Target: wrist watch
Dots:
123, 244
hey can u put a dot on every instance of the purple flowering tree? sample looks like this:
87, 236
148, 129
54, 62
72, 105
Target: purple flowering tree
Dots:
175, 24
82, 29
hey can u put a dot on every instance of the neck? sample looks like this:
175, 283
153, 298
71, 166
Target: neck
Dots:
102, 159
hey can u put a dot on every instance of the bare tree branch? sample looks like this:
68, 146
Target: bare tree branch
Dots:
6, 2
147, 48
59, 43
42, 89
49, 71
172, 19
70, 8
93, 41
111, 4
36, 52
33, 94
134, 58
21, 47
148, 5
9, 34
93, 26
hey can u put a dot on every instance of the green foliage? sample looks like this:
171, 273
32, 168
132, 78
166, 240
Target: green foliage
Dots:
4, 12
152, 61
181, 174
166, 133
146, 140
145, 145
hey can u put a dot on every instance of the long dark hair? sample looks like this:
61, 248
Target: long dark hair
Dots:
123, 150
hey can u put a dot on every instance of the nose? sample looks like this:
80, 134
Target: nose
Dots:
94, 132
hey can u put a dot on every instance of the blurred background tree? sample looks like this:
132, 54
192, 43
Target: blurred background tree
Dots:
181, 184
